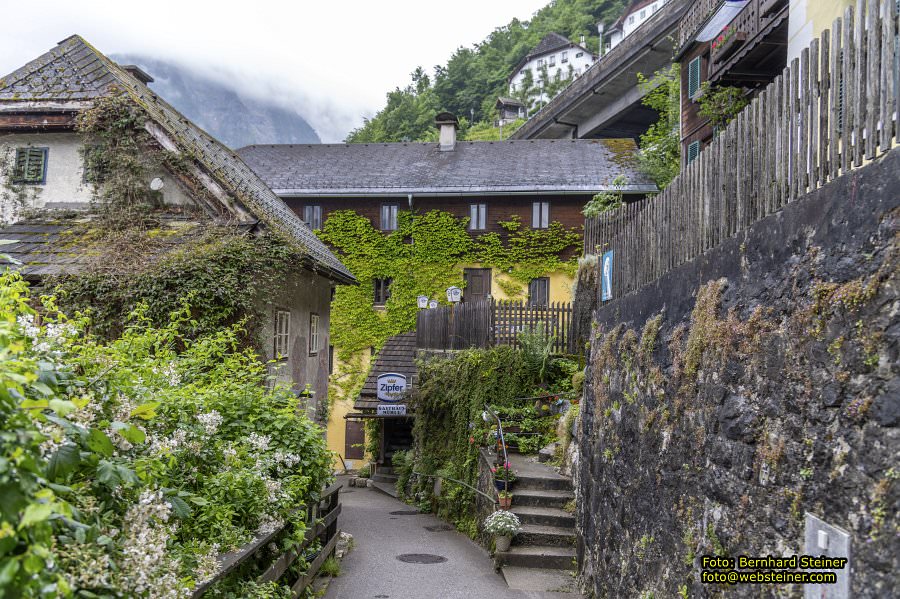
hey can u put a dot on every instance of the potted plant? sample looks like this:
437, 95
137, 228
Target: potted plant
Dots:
505, 499
503, 476
504, 526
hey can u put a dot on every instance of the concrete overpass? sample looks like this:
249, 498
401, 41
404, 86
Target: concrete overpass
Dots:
605, 102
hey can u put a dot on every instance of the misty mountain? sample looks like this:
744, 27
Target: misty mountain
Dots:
234, 119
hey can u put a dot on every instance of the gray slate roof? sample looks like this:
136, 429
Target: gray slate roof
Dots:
55, 247
480, 167
397, 355
74, 71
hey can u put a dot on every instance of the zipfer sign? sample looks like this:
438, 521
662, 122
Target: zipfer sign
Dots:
802, 569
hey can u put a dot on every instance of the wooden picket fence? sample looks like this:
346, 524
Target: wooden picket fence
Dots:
488, 323
322, 525
832, 109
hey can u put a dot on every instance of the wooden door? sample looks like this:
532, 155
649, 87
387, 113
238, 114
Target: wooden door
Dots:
478, 284
354, 440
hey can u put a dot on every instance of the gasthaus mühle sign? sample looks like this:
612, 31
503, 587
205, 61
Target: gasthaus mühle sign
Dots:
391, 386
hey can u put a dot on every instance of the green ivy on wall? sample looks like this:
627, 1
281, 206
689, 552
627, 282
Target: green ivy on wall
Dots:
425, 255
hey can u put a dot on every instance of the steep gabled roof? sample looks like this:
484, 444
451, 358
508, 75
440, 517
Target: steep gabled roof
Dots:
473, 167
397, 355
74, 73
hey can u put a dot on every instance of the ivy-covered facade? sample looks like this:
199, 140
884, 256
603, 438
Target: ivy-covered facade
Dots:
502, 220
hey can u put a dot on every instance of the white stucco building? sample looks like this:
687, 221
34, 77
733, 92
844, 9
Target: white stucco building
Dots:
633, 17
562, 59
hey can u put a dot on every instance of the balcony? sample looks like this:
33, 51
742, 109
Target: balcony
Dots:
752, 48
694, 19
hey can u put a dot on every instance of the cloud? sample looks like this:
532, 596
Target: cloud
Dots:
331, 61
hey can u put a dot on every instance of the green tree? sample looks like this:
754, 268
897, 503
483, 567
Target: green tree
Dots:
660, 154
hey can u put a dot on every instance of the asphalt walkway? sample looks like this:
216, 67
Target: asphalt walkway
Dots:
372, 571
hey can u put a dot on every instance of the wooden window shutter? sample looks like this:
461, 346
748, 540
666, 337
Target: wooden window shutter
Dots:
693, 151
30, 166
694, 77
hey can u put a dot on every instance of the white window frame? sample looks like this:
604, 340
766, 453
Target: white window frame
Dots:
282, 334
552, 60
389, 216
312, 216
313, 334
477, 217
540, 214
564, 57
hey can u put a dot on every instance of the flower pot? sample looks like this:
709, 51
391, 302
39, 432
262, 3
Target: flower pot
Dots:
505, 502
502, 485
502, 543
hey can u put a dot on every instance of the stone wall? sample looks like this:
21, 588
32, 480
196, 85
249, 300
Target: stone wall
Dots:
750, 386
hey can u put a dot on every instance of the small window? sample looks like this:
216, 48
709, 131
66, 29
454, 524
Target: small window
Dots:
631, 20
313, 334
552, 60
282, 333
477, 217
312, 216
643, 14
694, 77
564, 57
30, 167
540, 215
540, 62
382, 291
389, 217
579, 54
539, 291
693, 151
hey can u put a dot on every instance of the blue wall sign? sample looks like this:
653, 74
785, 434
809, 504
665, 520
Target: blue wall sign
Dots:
606, 276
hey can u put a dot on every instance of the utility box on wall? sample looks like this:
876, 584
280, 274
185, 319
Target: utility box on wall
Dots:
822, 538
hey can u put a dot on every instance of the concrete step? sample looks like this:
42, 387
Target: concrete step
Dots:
384, 470
386, 488
543, 516
385, 478
536, 535
559, 582
544, 558
541, 498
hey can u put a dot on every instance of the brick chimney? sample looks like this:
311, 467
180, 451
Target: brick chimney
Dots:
448, 124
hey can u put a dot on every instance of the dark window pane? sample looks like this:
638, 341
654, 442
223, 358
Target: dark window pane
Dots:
539, 291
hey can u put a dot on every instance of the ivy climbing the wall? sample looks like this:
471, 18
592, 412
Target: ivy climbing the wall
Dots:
425, 255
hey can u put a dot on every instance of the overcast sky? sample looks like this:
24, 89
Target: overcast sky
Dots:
332, 60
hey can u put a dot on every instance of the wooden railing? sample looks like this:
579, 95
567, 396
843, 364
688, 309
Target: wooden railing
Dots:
322, 526
489, 323
831, 110
694, 18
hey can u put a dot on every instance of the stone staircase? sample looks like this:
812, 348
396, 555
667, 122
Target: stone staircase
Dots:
385, 480
542, 555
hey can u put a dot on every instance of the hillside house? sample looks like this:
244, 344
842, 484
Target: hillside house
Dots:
554, 59
541, 183
47, 194
635, 15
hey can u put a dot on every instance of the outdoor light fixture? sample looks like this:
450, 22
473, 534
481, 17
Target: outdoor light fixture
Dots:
157, 184
432, 304
454, 294
422, 301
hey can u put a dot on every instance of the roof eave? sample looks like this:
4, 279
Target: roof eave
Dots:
418, 192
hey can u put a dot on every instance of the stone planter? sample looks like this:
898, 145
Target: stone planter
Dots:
502, 543
505, 502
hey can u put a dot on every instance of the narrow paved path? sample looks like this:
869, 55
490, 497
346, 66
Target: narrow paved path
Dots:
372, 570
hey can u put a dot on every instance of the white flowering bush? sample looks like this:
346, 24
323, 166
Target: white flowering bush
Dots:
126, 467
502, 523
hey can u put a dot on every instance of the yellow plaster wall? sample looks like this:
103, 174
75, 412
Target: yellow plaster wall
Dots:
335, 430
561, 286
807, 19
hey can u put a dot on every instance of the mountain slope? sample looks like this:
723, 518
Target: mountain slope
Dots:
234, 119
473, 77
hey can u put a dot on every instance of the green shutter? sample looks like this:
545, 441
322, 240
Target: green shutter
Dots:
31, 166
693, 151
694, 77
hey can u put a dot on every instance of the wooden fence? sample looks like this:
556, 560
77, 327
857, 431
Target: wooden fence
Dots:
832, 109
488, 323
322, 525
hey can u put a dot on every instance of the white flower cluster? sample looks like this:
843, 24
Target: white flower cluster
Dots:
147, 567
503, 523
207, 565
210, 421
269, 523
167, 445
170, 373
259, 442
54, 438
285, 462
46, 341
125, 408
87, 414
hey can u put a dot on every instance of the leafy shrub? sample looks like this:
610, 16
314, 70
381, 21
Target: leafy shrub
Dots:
127, 466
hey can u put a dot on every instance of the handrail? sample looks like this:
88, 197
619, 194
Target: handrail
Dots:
459, 482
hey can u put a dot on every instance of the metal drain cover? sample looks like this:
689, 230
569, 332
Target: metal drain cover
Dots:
438, 528
421, 558
405, 513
